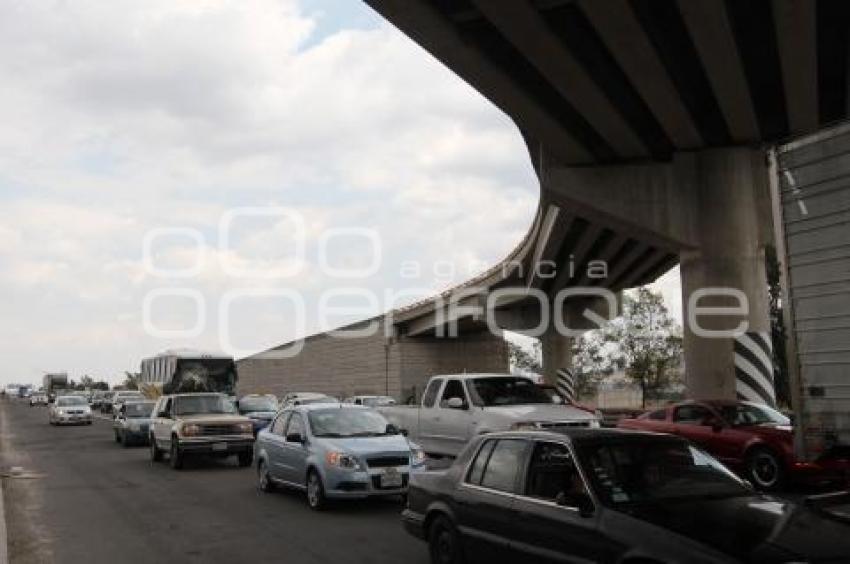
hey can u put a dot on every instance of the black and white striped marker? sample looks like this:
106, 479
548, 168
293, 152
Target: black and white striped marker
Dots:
565, 383
754, 368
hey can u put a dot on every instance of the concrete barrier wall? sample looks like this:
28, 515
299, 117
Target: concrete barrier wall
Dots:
371, 365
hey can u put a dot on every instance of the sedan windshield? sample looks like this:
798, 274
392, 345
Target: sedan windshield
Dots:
346, 422
194, 405
247, 405
647, 471
132, 410
506, 391
71, 400
745, 414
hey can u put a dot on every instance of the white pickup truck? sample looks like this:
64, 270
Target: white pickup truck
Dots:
455, 408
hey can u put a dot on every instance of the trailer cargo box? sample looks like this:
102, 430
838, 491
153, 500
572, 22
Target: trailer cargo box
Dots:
810, 182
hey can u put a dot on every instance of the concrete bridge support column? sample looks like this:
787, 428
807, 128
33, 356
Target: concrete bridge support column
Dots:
728, 351
558, 363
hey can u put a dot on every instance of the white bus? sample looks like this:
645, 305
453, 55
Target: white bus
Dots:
186, 370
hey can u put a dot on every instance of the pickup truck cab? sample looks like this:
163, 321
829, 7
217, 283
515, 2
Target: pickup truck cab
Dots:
203, 423
456, 408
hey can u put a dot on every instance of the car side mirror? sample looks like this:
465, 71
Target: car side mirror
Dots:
455, 403
164, 415
295, 438
582, 502
392, 430
585, 506
715, 424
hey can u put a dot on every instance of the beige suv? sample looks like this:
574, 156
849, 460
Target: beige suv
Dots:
204, 423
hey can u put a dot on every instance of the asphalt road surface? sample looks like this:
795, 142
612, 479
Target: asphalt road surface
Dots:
77, 496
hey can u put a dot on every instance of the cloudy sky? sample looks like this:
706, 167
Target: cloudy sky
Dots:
160, 162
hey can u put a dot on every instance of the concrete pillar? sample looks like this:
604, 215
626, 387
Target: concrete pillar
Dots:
729, 188
558, 363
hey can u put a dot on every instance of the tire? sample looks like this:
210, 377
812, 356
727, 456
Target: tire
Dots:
156, 453
245, 459
176, 457
125, 442
444, 544
315, 491
117, 437
264, 480
764, 469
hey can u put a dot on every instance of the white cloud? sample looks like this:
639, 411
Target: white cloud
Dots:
121, 117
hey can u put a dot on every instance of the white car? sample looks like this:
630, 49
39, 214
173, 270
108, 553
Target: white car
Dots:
38, 398
370, 401
70, 410
121, 397
305, 398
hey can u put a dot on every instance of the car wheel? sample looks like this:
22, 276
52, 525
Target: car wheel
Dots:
764, 469
124, 440
245, 459
264, 481
444, 542
315, 491
176, 457
117, 437
156, 453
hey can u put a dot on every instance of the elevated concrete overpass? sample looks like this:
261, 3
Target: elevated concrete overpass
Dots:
646, 122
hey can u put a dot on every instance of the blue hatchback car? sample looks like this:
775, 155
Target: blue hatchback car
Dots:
335, 451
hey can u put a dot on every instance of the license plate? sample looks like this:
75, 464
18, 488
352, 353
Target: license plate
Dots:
391, 479
218, 447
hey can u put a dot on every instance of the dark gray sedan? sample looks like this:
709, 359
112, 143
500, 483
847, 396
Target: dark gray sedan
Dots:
611, 496
132, 422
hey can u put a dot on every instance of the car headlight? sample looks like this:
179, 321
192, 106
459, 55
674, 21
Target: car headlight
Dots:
342, 460
524, 426
417, 456
190, 430
594, 424
246, 427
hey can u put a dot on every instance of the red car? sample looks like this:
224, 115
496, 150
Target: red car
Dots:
750, 438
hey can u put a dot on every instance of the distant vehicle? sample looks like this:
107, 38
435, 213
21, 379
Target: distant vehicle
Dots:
370, 401
340, 451
456, 408
97, 398
69, 410
132, 422
191, 424
106, 402
38, 398
751, 438
293, 399
612, 496
117, 400
187, 371
53, 382
260, 409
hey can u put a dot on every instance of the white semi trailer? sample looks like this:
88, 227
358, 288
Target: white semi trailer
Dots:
810, 184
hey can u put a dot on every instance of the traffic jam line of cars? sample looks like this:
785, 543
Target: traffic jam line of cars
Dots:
528, 479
